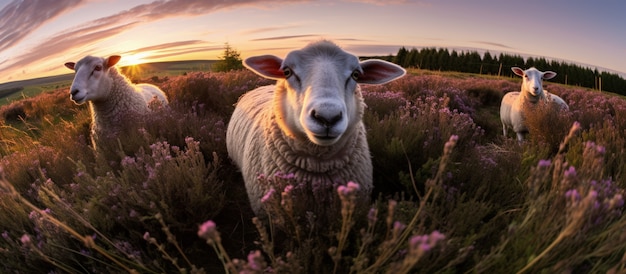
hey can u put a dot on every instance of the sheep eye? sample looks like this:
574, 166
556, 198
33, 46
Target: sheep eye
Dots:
98, 68
355, 75
287, 72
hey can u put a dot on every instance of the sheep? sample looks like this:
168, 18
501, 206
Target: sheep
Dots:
113, 99
309, 123
532, 92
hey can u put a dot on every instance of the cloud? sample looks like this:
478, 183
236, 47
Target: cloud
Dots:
389, 2
166, 46
20, 18
285, 37
268, 29
492, 44
369, 50
68, 41
165, 54
57, 45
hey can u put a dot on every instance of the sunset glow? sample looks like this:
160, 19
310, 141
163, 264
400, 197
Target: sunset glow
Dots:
38, 37
134, 59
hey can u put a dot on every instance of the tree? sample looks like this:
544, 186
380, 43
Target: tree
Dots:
231, 60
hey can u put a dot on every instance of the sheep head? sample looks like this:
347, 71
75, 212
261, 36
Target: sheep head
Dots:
532, 81
90, 81
317, 89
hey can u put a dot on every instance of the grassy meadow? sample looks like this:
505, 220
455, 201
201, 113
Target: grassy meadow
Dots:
452, 195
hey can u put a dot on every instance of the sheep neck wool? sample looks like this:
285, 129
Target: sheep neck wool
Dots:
120, 108
294, 154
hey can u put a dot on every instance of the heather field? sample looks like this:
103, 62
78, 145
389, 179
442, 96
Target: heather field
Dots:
452, 195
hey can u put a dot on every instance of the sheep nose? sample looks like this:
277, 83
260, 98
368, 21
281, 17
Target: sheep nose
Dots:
326, 120
74, 91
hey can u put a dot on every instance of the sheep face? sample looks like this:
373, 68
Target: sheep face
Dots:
318, 89
532, 81
90, 81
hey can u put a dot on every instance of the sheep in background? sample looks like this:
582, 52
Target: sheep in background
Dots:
113, 99
309, 124
532, 92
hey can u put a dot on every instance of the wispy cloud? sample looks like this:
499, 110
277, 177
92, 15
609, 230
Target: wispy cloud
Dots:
285, 37
165, 54
367, 50
268, 29
166, 46
492, 44
20, 18
390, 2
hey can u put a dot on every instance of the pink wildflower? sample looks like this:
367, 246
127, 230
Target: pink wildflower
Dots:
208, 231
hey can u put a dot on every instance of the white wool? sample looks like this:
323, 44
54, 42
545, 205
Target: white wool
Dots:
309, 124
113, 99
532, 92
258, 146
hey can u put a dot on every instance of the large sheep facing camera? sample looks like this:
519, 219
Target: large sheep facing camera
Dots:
309, 123
113, 99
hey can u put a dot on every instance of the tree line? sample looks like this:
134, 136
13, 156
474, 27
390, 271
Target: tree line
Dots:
472, 62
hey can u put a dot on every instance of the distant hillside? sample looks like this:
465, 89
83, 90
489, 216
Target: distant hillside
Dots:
141, 70
35, 81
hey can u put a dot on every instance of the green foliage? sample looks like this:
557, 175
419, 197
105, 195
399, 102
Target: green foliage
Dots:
472, 62
229, 61
451, 194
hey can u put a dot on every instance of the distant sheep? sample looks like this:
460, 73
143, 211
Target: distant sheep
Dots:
113, 99
310, 123
511, 108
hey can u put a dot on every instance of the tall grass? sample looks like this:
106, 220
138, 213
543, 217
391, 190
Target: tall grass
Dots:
451, 194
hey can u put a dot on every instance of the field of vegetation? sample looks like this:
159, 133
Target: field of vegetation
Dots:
452, 195
14, 91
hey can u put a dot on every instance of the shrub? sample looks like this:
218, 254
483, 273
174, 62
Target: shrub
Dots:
451, 194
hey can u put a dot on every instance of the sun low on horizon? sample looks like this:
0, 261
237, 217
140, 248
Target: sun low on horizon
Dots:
134, 59
38, 37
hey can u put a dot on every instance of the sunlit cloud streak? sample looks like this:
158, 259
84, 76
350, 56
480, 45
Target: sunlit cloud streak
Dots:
287, 37
493, 44
268, 29
364, 50
66, 42
172, 53
390, 2
20, 18
166, 46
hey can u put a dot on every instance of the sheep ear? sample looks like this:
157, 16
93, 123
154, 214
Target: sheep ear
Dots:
112, 60
518, 71
70, 65
548, 75
377, 71
267, 66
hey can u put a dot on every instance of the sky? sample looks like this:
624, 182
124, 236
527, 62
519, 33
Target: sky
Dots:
38, 36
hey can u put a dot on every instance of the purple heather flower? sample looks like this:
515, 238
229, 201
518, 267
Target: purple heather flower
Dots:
371, 215
288, 190
349, 189
398, 227
127, 161
544, 163
572, 194
268, 195
424, 243
208, 231
570, 172
25, 239
254, 258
